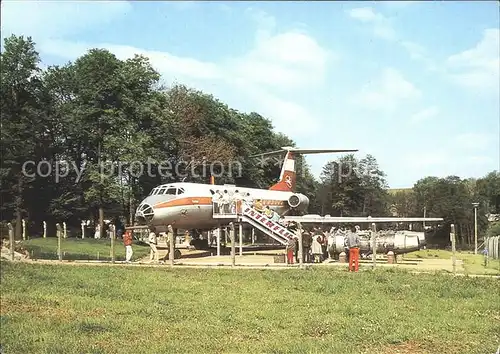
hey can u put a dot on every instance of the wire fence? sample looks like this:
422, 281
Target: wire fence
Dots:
492, 244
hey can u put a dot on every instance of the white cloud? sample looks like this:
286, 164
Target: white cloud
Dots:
289, 61
479, 67
387, 92
52, 18
382, 26
425, 114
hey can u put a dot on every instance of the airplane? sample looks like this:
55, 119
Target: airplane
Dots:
187, 205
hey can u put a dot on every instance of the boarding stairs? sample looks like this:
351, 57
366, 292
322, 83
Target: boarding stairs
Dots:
246, 213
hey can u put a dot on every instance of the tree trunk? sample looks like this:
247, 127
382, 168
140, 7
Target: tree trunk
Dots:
101, 220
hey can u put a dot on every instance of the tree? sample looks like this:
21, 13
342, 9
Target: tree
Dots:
22, 128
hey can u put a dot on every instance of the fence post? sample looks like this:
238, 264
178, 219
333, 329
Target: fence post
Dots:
44, 229
233, 244
374, 244
83, 229
453, 248
112, 235
171, 239
24, 229
59, 235
64, 230
11, 240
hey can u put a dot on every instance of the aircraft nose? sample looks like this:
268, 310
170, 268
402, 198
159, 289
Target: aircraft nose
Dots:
145, 213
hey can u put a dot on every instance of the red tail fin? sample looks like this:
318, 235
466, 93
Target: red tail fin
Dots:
288, 176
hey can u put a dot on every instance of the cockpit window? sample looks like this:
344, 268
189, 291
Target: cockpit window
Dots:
162, 190
212, 191
180, 191
171, 191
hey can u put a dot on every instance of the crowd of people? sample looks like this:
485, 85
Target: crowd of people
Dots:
317, 245
228, 202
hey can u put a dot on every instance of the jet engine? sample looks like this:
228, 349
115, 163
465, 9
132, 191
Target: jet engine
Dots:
298, 201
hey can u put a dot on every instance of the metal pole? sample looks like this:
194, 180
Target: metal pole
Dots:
59, 235
253, 235
113, 232
44, 229
240, 231
83, 230
301, 248
11, 240
172, 244
453, 248
475, 230
374, 245
233, 244
65, 234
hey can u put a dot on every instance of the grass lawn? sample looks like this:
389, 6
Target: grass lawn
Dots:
81, 249
101, 309
473, 263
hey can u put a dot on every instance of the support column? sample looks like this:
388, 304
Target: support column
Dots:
240, 231
301, 248
83, 229
233, 244
253, 236
44, 229
65, 234
218, 240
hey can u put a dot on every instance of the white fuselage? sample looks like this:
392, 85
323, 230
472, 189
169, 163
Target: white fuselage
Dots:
190, 206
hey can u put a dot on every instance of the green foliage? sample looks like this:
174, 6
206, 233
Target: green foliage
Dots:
493, 229
162, 310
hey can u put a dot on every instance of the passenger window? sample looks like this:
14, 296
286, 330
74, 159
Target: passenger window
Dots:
171, 191
180, 191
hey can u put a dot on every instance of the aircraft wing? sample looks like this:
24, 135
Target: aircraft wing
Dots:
337, 220
317, 151
303, 151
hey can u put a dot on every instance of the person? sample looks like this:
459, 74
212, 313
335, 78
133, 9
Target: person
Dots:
237, 200
217, 202
268, 212
97, 233
353, 243
127, 241
153, 241
306, 246
225, 202
290, 249
258, 205
316, 249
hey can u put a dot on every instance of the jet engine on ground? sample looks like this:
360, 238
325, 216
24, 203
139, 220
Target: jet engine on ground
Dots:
298, 201
398, 242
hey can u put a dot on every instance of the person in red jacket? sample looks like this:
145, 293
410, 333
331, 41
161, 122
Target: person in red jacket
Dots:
127, 241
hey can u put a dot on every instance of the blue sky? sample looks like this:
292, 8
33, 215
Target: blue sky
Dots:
415, 84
